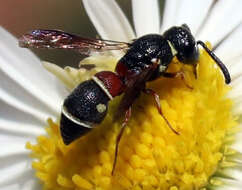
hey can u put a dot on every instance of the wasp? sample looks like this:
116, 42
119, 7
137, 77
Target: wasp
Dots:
146, 58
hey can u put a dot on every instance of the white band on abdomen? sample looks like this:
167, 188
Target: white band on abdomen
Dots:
102, 86
75, 119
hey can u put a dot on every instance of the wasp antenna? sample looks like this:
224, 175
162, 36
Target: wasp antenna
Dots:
218, 62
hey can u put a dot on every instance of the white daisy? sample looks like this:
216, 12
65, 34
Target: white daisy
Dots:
29, 95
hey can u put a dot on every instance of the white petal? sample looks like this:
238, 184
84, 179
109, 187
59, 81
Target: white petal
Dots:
14, 145
236, 92
169, 16
15, 164
109, 20
25, 81
19, 174
146, 16
238, 108
28, 96
225, 183
13, 114
232, 186
16, 128
15, 98
13, 159
237, 145
12, 187
224, 17
192, 13
31, 184
234, 173
231, 48
234, 69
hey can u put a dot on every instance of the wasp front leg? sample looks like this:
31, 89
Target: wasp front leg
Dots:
179, 74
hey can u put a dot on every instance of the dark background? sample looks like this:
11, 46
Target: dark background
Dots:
21, 16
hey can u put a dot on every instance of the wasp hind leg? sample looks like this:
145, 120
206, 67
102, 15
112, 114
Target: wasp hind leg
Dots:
124, 124
158, 105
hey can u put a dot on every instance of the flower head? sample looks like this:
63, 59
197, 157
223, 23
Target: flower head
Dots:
150, 155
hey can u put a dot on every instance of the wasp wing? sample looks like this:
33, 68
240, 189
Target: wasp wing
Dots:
55, 39
134, 86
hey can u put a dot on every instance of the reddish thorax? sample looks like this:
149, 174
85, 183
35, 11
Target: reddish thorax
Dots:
121, 69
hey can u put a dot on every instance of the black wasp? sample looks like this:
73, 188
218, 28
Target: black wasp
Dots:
146, 58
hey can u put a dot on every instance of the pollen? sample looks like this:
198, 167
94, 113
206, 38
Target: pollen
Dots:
151, 155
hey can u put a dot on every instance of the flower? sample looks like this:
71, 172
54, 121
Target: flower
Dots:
30, 95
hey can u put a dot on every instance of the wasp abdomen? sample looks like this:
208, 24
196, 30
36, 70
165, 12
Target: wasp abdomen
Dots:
86, 106
71, 130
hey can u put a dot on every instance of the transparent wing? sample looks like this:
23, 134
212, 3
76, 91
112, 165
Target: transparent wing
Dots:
55, 39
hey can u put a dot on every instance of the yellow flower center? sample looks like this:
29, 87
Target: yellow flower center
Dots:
150, 156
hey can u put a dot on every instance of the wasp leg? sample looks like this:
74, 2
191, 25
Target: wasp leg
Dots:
194, 69
176, 75
124, 124
158, 105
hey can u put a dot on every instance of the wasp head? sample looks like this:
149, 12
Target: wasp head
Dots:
184, 43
